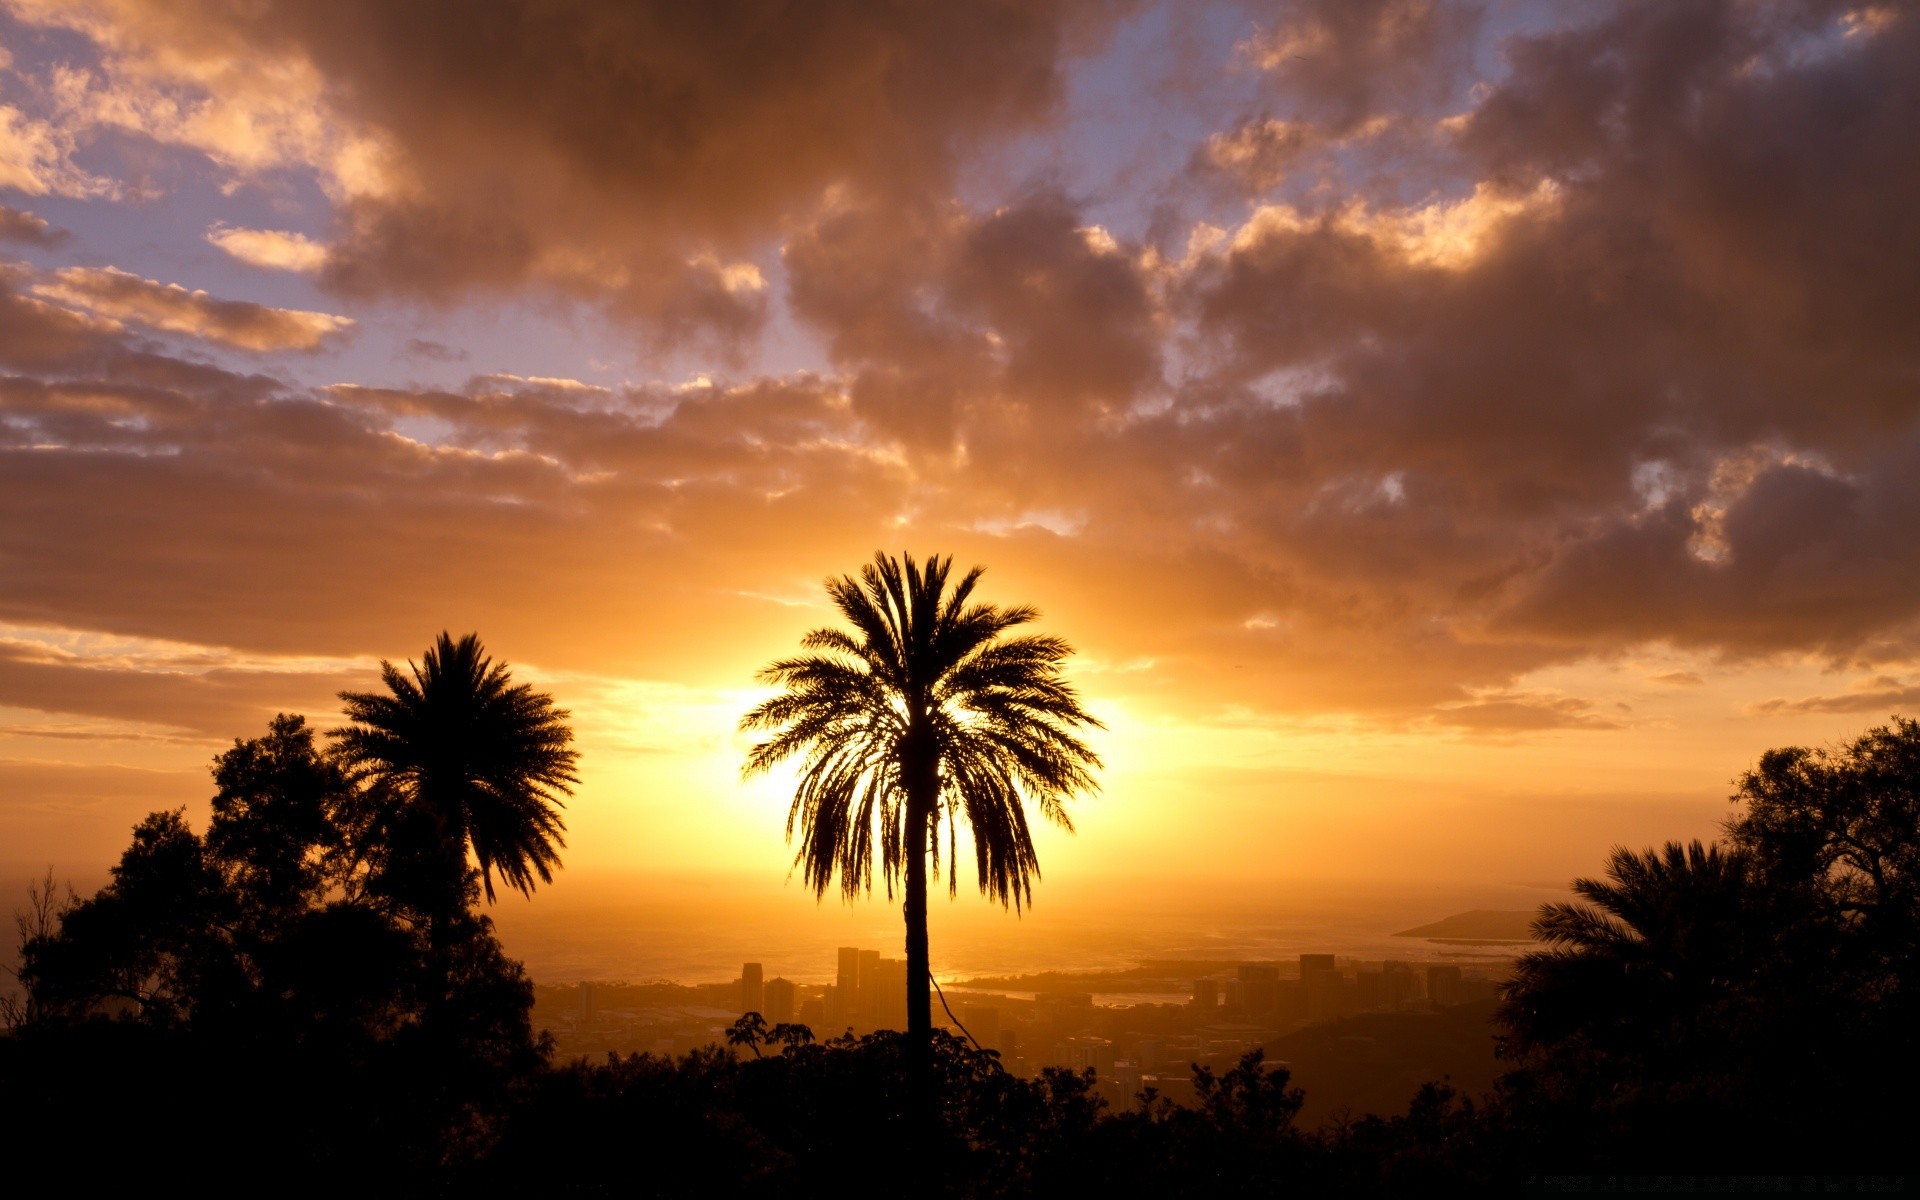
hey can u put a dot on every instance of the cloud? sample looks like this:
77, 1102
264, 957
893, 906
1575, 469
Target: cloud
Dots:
273, 249
1345, 62
27, 229
604, 149
1629, 377
36, 157
214, 702
242, 324
433, 351
1522, 713
999, 325
1621, 355
1881, 694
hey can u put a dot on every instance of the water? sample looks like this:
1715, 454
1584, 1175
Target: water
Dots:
700, 931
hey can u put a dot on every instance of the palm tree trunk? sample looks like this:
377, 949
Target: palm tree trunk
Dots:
919, 963
923, 789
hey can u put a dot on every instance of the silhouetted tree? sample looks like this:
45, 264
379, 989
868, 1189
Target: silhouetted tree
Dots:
283, 1000
1651, 966
1697, 986
924, 712
455, 755
1840, 828
278, 822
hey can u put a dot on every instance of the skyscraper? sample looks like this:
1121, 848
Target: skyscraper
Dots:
868, 1002
752, 993
848, 978
1259, 987
781, 998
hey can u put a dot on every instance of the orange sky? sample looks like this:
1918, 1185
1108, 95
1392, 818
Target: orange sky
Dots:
1456, 438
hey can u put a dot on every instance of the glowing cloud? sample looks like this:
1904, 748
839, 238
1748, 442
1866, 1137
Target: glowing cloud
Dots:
273, 249
124, 296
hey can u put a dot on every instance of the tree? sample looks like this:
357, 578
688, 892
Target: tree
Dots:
1696, 986
286, 1001
457, 756
1667, 938
925, 712
1841, 827
1659, 1024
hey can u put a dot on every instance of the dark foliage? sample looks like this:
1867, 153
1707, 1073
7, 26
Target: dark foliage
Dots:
1738, 1007
837, 1118
253, 982
928, 711
263, 1008
455, 756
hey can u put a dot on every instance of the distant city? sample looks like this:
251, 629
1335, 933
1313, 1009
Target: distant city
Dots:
1219, 1012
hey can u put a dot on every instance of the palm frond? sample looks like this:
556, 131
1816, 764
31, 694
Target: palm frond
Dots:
922, 659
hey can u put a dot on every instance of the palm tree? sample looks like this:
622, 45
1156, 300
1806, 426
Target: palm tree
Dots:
923, 712
1670, 943
457, 756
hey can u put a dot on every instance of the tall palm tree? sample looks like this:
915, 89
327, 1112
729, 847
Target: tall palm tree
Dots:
924, 712
458, 756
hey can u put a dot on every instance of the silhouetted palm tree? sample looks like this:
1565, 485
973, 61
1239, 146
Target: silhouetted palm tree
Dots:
457, 755
923, 712
1666, 946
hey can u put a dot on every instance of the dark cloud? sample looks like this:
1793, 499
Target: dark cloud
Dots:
26, 229
1339, 63
214, 702
1879, 695
1647, 380
433, 351
1634, 364
634, 153
990, 324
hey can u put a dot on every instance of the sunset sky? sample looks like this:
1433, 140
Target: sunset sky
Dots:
1455, 438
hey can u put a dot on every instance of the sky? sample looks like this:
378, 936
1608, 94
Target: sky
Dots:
1455, 438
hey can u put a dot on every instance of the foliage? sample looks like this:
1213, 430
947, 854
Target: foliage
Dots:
457, 756
309, 973
927, 711
1696, 986
927, 682
273, 998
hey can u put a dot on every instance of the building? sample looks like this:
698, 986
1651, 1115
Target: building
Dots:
888, 1009
867, 984
1443, 985
847, 979
753, 996
1329, 995
982, 1022
586, 1002
1206, 993
782, 1000
1402, 984
1090, 1052
1259, 987
813, 1013
1309, 963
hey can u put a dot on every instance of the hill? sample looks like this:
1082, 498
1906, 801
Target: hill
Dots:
1480, 925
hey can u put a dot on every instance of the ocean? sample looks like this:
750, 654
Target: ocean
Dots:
701, 931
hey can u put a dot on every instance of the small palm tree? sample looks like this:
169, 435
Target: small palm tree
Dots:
1669, 942
457, 756
924, 712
